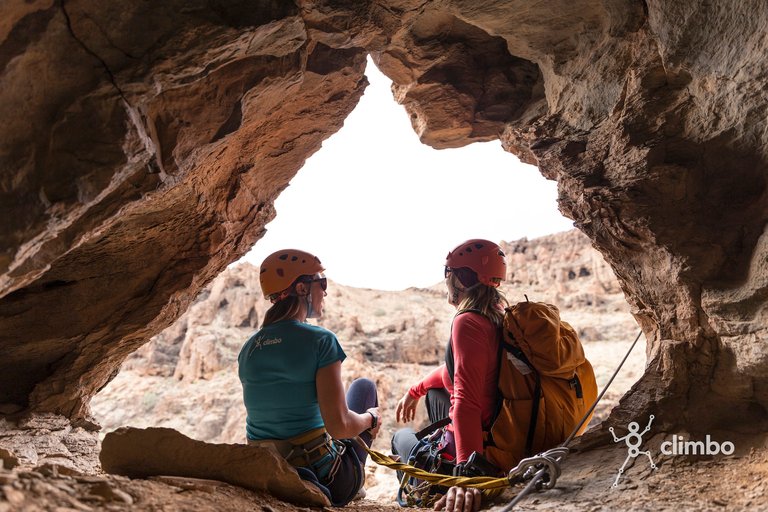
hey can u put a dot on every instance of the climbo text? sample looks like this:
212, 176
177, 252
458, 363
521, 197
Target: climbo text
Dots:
680, 446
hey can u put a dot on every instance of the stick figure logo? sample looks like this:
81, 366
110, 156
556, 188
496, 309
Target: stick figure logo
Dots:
633, 440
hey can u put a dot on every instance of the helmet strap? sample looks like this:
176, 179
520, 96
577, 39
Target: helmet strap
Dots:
456, 288
473, 286
308, 301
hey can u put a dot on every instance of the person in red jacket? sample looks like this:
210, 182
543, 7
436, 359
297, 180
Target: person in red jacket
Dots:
465, 387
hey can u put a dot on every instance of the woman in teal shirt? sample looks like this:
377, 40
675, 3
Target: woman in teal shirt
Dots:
292, 388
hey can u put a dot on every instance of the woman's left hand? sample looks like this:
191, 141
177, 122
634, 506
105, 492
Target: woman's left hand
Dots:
406, 407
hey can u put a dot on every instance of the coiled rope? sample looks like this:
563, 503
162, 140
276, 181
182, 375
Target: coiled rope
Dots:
489, 486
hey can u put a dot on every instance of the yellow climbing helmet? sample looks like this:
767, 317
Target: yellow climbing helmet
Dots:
280, 269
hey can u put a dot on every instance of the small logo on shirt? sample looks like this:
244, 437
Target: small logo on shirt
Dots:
260, 343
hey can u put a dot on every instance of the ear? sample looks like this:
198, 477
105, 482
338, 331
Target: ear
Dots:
301, 289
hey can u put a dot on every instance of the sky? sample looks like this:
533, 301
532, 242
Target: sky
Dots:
381, 210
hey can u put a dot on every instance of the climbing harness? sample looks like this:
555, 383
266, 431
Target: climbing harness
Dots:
314, 449
540, 471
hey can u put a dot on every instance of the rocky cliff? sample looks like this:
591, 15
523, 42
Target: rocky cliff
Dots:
144, 143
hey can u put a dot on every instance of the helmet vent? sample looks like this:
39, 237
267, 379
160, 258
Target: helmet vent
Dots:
280, 272
294, 258
284, 257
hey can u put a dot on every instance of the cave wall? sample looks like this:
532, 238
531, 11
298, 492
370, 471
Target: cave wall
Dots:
145, 145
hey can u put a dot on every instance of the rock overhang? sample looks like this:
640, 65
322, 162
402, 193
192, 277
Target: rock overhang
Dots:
148, 142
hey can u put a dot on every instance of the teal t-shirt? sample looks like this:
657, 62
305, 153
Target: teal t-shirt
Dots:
277, 368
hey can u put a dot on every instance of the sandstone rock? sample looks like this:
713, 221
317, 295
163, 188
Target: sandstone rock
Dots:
13, 496
152, 159
565, 261
7, 459
196, 484
110, 493
47, 438
55, 466
8, 478
154, 102
139, 453
637, 119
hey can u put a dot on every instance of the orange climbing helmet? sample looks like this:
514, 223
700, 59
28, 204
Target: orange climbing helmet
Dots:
280, 269
483, 257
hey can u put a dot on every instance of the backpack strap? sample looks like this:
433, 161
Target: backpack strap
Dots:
575, 384
432, 427
449, 347
534, 416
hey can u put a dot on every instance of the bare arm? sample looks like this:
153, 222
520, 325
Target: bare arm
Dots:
340, 422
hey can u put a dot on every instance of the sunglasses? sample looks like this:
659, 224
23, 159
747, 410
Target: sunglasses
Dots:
322, 280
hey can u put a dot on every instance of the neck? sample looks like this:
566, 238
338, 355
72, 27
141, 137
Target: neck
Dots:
301, 314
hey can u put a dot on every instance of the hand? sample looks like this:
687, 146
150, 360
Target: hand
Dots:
375, 431
460, 499
406, 407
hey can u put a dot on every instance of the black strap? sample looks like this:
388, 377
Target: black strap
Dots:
431, 428
575, 384
499, 396
516, 352
449, 358
449, 346
534, 416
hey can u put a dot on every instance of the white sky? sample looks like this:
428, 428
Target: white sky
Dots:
382, 210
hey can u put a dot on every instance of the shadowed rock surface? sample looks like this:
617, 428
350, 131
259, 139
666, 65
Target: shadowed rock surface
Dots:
144, 144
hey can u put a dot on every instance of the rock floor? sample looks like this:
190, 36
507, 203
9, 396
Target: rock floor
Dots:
736, 482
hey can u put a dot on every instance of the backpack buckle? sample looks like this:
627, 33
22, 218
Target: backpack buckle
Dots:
575, 383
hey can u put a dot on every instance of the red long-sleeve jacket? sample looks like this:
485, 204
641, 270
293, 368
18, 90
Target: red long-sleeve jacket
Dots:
474, 390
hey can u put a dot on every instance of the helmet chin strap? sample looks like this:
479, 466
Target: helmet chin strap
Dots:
453, 298
310, 310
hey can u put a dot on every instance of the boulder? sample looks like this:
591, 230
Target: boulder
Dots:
142, 453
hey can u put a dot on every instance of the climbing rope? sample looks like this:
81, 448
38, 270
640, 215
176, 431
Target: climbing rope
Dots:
540, 471
490, 486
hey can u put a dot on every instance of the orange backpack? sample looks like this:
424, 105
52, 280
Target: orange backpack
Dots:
541, 356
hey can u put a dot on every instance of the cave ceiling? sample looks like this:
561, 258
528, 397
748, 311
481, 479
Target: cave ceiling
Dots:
144, 144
